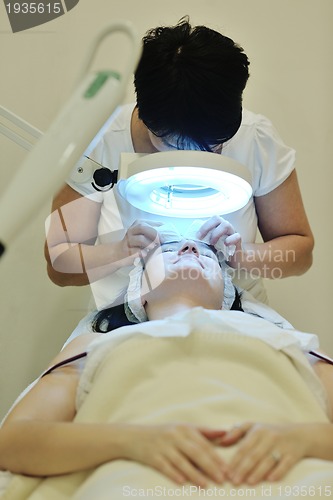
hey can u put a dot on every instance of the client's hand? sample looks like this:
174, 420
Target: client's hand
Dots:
266, 452
221, 228
140, 237
182, 452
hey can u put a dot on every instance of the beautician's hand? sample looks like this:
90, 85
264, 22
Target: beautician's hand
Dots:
141, 237
218, 227
266, 452
182, 452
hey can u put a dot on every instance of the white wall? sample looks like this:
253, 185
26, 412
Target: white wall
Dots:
289, 45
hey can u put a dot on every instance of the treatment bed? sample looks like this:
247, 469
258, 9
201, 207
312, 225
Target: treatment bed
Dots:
203, 367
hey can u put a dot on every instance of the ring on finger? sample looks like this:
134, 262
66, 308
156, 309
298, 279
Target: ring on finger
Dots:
276, 456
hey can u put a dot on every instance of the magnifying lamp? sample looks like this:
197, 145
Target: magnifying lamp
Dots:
82, 118
186, 184
173, 184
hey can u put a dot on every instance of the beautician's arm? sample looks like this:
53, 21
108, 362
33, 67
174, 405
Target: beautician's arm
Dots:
40, 438
282, 222
72, 258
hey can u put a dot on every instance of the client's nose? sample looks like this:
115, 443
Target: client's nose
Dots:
189, 247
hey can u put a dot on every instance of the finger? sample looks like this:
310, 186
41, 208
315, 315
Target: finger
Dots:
167, 468
224, 229
250, 441
141, 241
208, 226
204, 455
266, 465
204, 468
258, 460
144, 230
245, 467
212, 434
236, 433
147, 222
231, 438
281, 468
136, 242
233, 239
184, 467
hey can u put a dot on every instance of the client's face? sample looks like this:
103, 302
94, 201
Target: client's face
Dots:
187, 267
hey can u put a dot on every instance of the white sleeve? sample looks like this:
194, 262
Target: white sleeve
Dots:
273, 160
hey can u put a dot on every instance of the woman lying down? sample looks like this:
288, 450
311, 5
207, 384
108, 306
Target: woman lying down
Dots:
191, 396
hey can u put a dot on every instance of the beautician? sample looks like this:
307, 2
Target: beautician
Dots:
189, 85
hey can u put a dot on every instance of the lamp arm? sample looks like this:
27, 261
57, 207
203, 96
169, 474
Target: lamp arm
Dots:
82, 117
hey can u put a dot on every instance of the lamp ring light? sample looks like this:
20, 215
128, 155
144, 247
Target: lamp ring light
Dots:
179, 183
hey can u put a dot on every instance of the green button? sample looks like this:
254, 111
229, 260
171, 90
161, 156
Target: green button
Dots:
99, 81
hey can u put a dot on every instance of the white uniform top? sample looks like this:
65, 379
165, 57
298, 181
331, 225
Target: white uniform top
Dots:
256, 145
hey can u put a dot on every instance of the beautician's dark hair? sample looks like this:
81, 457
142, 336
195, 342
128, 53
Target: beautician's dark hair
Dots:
189, 84
114, 317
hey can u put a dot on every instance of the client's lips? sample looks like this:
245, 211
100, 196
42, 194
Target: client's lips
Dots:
191, 256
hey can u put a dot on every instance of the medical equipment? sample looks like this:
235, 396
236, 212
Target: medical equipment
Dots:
187, 184
50, 161
173, 184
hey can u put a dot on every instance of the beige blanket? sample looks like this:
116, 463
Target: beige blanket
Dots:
206, 378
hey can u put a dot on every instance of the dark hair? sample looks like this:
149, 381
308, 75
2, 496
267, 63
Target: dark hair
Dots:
189, 83
114, 317
109, 319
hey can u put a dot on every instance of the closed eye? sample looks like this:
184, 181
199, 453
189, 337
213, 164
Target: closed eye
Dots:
170, 246
208, 254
